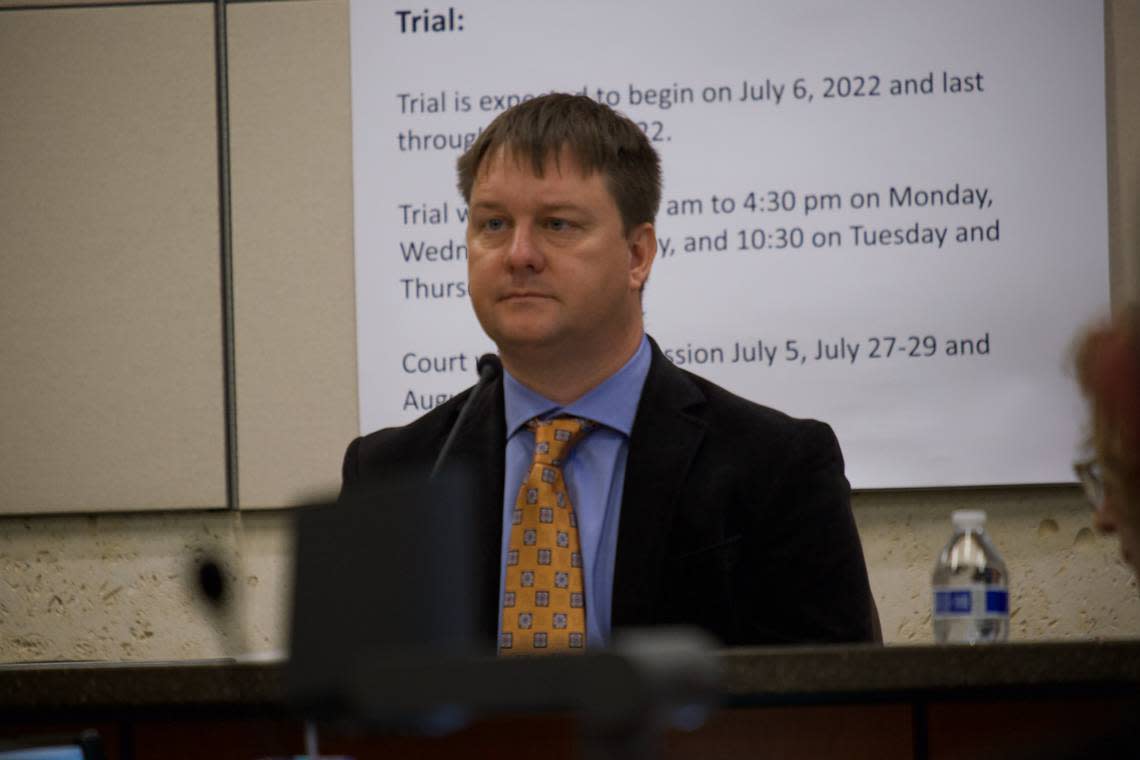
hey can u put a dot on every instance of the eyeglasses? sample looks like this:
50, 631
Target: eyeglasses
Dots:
1091, 475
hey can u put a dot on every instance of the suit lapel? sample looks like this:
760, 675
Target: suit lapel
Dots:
663, 443
479, 445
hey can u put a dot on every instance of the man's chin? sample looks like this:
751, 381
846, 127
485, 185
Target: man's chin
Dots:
521, 341
529, 327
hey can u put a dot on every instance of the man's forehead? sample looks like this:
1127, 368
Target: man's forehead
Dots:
561, 161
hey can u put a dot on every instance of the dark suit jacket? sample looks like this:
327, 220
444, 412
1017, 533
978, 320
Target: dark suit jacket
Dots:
735, 517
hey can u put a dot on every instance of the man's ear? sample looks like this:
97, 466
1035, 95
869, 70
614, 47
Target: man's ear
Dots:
642, 251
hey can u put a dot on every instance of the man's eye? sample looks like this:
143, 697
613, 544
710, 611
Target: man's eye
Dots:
558, 225
494, 225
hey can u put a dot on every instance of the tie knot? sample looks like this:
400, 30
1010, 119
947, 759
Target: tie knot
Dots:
554, 438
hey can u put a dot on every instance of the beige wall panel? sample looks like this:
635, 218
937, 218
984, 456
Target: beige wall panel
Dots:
59, 3
293, 262
111, 378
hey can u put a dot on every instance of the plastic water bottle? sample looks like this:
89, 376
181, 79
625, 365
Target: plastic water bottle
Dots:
971, 586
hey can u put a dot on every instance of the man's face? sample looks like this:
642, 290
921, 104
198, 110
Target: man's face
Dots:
549, 265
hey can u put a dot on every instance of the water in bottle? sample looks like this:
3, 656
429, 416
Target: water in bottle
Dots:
971, 586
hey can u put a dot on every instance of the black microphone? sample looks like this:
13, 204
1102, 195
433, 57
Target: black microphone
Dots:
213, 584
489, 367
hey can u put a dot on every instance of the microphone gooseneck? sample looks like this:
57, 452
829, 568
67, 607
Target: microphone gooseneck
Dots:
489, 367
213, 585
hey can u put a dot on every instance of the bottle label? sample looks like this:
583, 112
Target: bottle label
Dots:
970, 601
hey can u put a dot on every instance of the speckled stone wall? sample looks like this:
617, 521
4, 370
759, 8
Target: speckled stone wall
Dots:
122, 587
1066, 581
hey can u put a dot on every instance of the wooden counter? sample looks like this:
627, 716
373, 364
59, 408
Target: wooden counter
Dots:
882, 702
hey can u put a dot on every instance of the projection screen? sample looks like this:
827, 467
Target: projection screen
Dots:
887, 215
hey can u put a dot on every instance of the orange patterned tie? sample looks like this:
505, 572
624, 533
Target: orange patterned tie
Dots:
544, 607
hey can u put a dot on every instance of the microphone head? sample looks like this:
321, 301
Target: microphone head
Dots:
212, 582
489, 366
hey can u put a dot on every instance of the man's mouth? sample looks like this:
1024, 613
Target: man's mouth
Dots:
522, 294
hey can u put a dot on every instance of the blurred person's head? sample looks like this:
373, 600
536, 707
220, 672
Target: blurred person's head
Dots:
1108, 369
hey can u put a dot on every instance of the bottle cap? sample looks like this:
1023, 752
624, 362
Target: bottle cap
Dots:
968, 519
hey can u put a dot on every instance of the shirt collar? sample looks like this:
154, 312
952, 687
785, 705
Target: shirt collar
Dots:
613, 403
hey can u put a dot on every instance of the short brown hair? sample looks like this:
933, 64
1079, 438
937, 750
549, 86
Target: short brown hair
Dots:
600, 139
1107, 361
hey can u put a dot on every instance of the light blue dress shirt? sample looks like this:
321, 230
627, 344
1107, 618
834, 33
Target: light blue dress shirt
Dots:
594, 473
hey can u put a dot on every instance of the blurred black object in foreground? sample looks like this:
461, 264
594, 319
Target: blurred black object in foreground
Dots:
388, 572
387, 632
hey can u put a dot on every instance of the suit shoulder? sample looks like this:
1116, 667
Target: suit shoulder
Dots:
414, 442
726, 412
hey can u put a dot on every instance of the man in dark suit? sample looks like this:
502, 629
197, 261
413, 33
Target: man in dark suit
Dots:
694, 506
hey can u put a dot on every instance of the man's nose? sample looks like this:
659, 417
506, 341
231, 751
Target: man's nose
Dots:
524, 251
